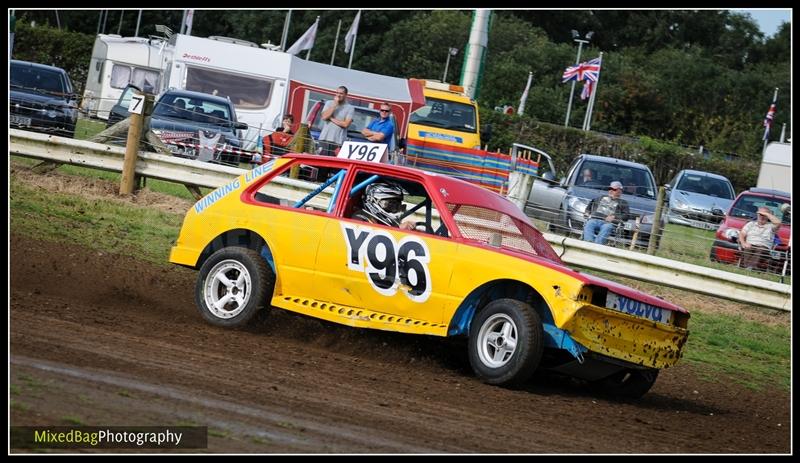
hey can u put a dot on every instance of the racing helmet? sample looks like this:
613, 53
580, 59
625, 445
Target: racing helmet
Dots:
384, 201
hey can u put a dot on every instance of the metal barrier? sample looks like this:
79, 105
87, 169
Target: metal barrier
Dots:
689, 277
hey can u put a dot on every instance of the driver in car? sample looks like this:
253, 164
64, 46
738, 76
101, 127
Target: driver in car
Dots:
382, 203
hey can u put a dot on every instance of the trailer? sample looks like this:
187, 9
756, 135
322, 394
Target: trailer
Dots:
776, 167
116, 62
265, 84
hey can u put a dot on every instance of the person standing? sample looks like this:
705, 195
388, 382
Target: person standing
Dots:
380, 130
756, 238
338, 115
605, 213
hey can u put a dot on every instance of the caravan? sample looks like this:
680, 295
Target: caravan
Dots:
264, 84
116, 62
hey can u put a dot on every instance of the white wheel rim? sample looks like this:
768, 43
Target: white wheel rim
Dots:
497, 340
228, 287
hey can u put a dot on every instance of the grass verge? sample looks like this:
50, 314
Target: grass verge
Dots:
749, 353
103, 225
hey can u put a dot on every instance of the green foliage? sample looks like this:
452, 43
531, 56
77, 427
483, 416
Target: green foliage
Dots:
68, 50
564, 143
687, 77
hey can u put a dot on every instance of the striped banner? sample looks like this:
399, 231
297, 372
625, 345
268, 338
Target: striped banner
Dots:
483, 168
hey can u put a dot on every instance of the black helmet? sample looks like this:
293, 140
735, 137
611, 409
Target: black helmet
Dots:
383, 201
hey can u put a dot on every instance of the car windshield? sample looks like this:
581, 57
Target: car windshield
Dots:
497, 229
635, 180
33, 78
746, 206
193, 109
705, 185
446, 114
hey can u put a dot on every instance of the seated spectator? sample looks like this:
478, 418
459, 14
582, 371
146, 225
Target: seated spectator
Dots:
586, 177
277, 143
756, 239
604, 213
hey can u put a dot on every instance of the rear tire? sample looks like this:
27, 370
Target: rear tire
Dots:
233, 285
505, 342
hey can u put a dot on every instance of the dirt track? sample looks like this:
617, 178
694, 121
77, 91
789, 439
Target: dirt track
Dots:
100, 339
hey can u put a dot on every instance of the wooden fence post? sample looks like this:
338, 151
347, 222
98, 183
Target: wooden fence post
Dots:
128, 180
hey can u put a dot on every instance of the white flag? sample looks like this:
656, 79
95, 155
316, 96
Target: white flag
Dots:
352, 33
306, 42
189, 20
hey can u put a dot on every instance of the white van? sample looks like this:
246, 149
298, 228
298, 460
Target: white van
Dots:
116, 62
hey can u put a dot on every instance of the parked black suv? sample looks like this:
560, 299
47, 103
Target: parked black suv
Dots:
42, 99
198, 126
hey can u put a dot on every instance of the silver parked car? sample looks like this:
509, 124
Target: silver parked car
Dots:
699, 199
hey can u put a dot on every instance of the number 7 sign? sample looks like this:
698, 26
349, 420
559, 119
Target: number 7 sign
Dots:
136, 105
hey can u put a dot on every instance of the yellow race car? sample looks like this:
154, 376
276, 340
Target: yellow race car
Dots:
379, 246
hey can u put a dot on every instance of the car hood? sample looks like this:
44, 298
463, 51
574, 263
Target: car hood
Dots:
38, 99
181, 125
617, 288
631, 293
701, 201
592, 280
638, 205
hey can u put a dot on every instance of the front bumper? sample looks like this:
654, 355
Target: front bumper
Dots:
628, 338
696, 219
725, 252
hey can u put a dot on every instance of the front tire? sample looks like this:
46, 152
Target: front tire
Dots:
233, 285
505, 342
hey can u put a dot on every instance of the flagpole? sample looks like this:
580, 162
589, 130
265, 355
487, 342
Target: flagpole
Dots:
286, 30
308, 53
336, 41
766, 129
572, 90
352, 52
524, 97
587, 122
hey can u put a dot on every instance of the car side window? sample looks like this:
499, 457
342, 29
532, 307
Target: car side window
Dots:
322, 182
393, 202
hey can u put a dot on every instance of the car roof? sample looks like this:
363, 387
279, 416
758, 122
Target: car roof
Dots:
192, 94
453, 190
768, 192
702, 172
37, 65
608, 160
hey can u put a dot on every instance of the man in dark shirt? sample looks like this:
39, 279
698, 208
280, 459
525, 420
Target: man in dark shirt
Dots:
604, 213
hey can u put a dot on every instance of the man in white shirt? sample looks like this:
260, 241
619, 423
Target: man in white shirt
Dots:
756, 238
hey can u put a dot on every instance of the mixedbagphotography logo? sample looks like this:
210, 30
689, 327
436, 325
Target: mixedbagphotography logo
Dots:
109, 437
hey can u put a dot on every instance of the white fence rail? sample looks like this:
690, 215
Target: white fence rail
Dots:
643, 267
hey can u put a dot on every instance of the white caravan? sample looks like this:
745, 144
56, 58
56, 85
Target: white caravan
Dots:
776, 167
253, 78
265, 84
116, 62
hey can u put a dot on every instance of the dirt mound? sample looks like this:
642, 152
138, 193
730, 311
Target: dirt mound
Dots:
97, 188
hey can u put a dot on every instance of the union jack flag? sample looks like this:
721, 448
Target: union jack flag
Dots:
768, 120
589, 70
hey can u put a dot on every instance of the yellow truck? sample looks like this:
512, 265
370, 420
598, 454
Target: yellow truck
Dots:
449, 117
